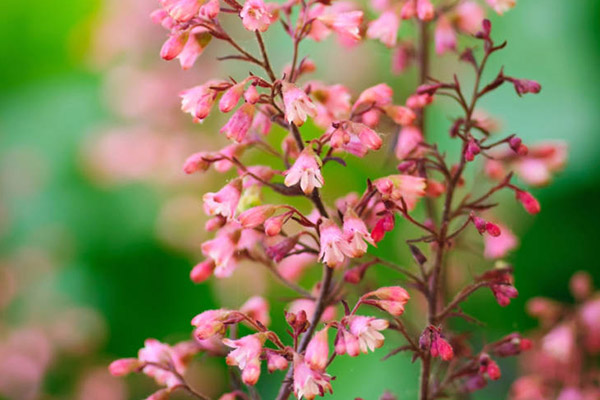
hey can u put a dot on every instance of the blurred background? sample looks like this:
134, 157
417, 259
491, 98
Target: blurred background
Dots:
99, 227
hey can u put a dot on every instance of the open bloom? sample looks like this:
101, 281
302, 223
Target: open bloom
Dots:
367, 330
199, 100
385, 28
344, 23
346, 343
246, 356
333, 245
256, 16
181, 10
309, 383
225, 201
298, 106
306, 170
356, 234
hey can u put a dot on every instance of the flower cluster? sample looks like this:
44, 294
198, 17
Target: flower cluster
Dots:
563, 364
337, 234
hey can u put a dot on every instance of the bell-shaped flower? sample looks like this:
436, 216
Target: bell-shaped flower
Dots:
333, 245
246, 356
309, 383
367, 330
317, 351
238, 125
225, 201
385, 28
298, 106
256, 16
445, 36
306, 170
356, 234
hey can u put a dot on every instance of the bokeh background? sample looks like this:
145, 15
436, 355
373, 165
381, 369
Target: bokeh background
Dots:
99, 227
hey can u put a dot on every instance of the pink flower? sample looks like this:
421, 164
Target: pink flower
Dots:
385, 224
246, 356
225, 201
367, 330
156, 352
425, 10
529, 203
221, 250
306, 170
469, 16
181, 10
276, 362
541, 161
333, 245
401, 115
391, 299
503, 293
332, 102
231, 97
378, 95
298, 105
346, 24
524, 86
501, 6
210, 323
210, 9
441, 348
256, 307
489, 367
445, 36
202, 271
407, 187
198, 40
196, 163
367, 136
401, 59
559, 343
124, 366
238, 125
408, 10
308, 306
409, 139
499, 246
385, 28
252, 96
256, 16
356, 234
256, 216
317, 351
309, 383
590, 318
417, 101
346, 343
173, 46
198, 100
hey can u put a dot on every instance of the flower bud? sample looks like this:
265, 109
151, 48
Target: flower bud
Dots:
124, 366
231, 97
529, 203
173, 46
251, 95
202, 271
275, 362
256, 216
317, 351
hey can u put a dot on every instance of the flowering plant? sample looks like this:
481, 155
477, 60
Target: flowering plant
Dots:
337, 233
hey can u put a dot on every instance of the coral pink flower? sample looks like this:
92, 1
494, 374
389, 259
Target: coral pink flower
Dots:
355, 233
298, 105
199, 100
181, 10
501, 6
503, 293
257, 307
499, 246
275, 362
233, 150
198, 40
332, 102
366, 329
225, 201
385, 28
210, 9
333, 245
378, 95
252, 96
202, 271
392, 299
317, 351
309, 383
469, 16
383, 225
425, 10
445, 36
346, 343
256, 16
441, 348
367, 136
529, 203
238, 125
541, 162
156, 352
246, 356
306, 170
408, 10
409, 139
346, 24
124, 366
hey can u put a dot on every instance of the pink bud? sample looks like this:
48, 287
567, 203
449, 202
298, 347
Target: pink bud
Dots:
529, 203
173, 46
202, 271
493, 229
195, 163
251, 95
425, 10
124, 366
383, 225
256, 216
273, 225
231, 97
276, 362
317, 351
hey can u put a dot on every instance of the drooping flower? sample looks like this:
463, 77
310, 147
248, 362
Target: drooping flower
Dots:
333, 245
425, 10
344, 23
124, 366
306, 170
409, 139
309, 383
210, 323
385, 28
346, 343
391, 299
317, 351
238, 125
225, 201
246, 356
407, 187
198, 40
356, 234
298, 106
202, 271
173, 46
367, 330
529, 203
231, 97
275, 362
199, 100
469, 16
256, 16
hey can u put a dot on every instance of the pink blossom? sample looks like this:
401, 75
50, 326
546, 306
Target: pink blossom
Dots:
346, 343
401, 115
499, 246
308, 306
298, 106
501, 6
332, 102
392, 299
469, 16
441, 348
309, 383
333, 245
409, 139
529, 203
346, 24
367, 330
317, 351
409, 9
401, 59
417, 101
590, 318
238, 125
202, 271
199, 100
221, 250
173, 46
559, 343
276, 362
233, 150
225, 201
257, 307
306, 170
256, 216
292, 267
210, 9
252, 96
356, 234
181, 10
378, 95
385, 28
231, 97
407, 187
124, 366
425, 10
256, 16
196, 163
210, 323
198, 40
503, 293
246, 356
445, 36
